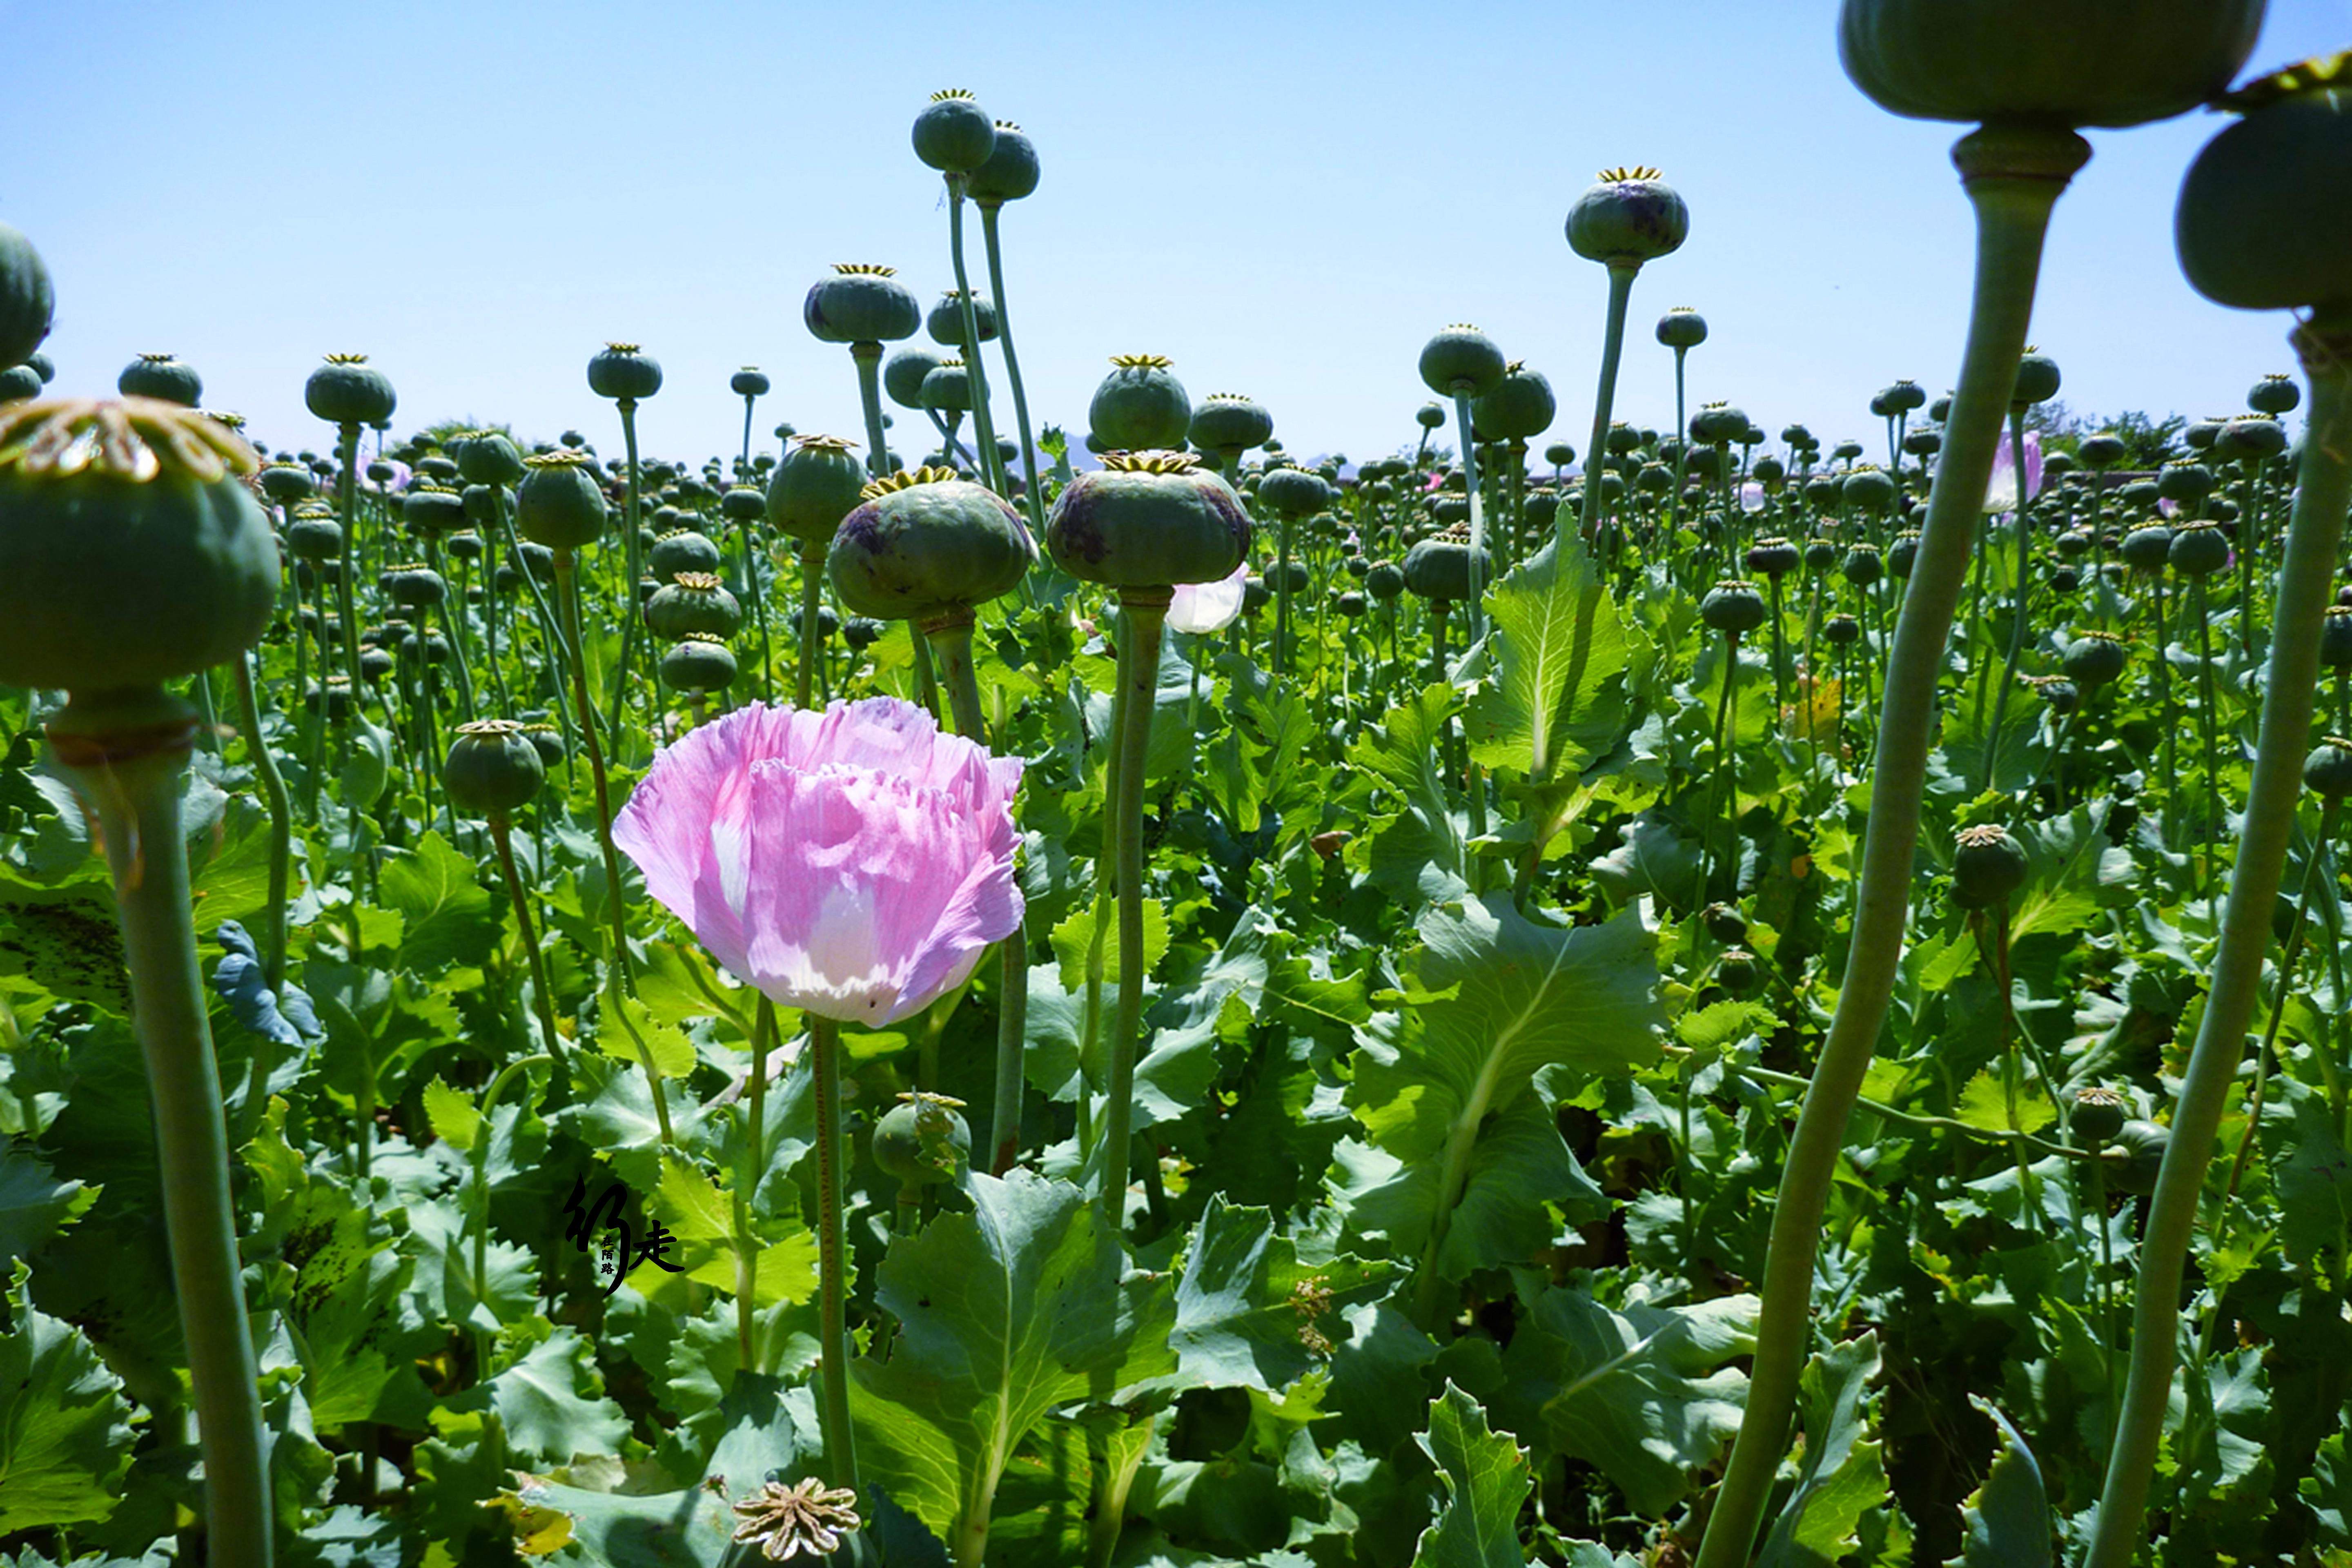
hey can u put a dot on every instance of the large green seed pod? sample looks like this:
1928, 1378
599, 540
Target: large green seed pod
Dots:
953, 134
1011, 171
2037, 378
2057, 62
816, 485
162, 378
132, 552
27, 299
2094, 660
2265, 215
624, 373
1226, 424
1293, 493
1681, 328
2274, 395
2099, 1113
19, 382
347, 390
902, 376
1438, 569
2197, 550
945, 323
2250, 437
697, 665
489, 457
693, 604
559, 504
1988, 865
682, 550
1629, 218
1719, 425
432, 510
926, 546
923, 1139
1518, 407
1733, 607
1460, 361
1149, 519
749, 382
2328, 770
493, 768
948, 388
1140, 406
861, 304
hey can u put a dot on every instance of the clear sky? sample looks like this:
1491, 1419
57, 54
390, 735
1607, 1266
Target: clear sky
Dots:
1288, 200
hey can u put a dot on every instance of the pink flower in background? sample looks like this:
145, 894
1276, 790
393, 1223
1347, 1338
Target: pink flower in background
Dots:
1200, 608
1752, 496
854, 863
2002, 494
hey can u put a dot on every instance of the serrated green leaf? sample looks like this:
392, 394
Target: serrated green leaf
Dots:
1558, 697
1841, 1475
64, 1427
1249, 1314
450, 916
1075, 935
1985, 1103
1487, 1481
551, 1403
453, 1114
2005, 1523
1415, 850
34, 1203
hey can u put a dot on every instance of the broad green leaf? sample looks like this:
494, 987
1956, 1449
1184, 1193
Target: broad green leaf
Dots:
670, 1051
2314, 1177
689, 1528
35, 1205
64, 1427
1003, 1312
1487, 1480
451, 917
1985, 1103
1558, 697
1640, 1393
1075, 935
1249, 1314
65, 939
1519, 1170
2327, 1492
1414, 848
1841, 1477
551, 1403
456, 1118
2005, 1523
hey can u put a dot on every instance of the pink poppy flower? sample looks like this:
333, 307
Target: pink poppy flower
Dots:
1752, 496
854, 863
1200, 608
2002, 494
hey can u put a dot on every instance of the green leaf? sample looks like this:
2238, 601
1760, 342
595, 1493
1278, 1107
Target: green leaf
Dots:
65, 939
1985, 1103
552, 1402
1487, 1480
1414, 848
1249, 1314
2005, 1523
455, 1117
1003, 1313
64, 1427
34, 1203
1642, 1393
2327, 1492
1842, 1476
2315, 1184
1559, 652
1074, 935
671, 1052
689, 1528
451, 917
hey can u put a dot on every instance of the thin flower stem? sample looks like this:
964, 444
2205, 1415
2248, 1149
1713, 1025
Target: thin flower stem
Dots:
1139, 673
2014, 178
747, 1183
831, 1247
1032, 497
1612, 349
502, 839
630, 615
282, 827
2306, 583
484, 1134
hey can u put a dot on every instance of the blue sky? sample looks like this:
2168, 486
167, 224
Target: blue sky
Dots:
1286, 200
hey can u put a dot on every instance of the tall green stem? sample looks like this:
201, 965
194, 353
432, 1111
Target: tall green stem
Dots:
1139, 673
2017, 597
832, 1259
2013, 177
125, 753
502, 838
282, 826
992, 461
1612, 349
2306, 582
1477, 521
631, 613
1032, 497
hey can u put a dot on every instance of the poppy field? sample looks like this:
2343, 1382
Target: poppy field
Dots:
1043, 986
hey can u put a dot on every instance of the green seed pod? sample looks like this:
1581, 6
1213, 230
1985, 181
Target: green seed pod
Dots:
945, 323
2060, 695
1352, 604
1862, 565
347, 390
953, 134
1772, 557
2137, 1155
1842, 630
928, 547
1292, 577
1630, 216
314, 539
2264, 221
1438, 569
430, 510
923, 1139
1518, 407
2184, 482
489, 457
1140, 406
682, 550
624, 373
818, 485
2103, 450
861, 304
545, 739
18, 382
27, 299
903, 373
1718, 424
2147, 548
692, 605
1987, 865
1384, 580
1869, 488
1431, 416
1294, 493
2251, 439
132, 552
2336, 637
2094, 660
1733, 607
466, 545
1736, 971
2066, 62
1821, 554
2099, 1114
1543, 507
2197, 550
493, 768
1460, 361
1010, 171
2274, 395
2328, 770
560, 505
697, 665
163, 378
1149, 519
1681, 328
2037, 379
749, 382
948, 388
1226, 424
413, 585
743, 504
38, 363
